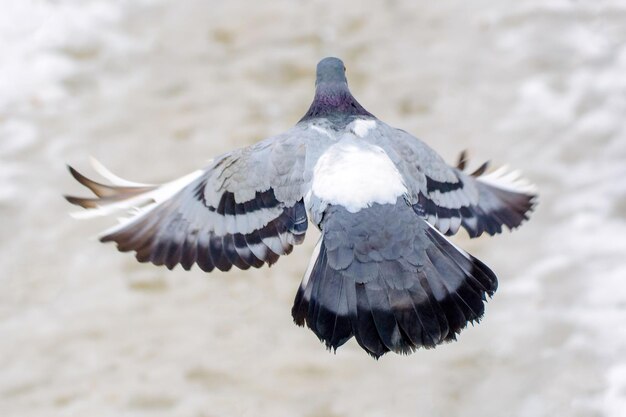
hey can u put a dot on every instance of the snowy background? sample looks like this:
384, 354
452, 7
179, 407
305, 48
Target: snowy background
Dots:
155, 88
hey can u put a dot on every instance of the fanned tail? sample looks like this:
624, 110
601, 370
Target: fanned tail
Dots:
391, 280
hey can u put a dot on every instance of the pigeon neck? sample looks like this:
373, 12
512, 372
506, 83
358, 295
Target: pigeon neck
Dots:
334, 100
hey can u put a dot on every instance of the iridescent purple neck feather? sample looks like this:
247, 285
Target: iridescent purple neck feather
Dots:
333, 99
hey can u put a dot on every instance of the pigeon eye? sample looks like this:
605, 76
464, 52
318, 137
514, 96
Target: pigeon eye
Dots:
344, 69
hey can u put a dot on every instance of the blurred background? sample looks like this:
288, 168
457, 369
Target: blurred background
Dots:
155, 88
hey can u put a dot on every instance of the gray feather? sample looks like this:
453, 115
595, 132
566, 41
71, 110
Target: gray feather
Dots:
404, 286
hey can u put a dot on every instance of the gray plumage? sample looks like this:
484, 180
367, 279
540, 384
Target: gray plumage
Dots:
395, 294
382, 271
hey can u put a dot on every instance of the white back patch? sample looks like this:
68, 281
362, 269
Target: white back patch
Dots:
360, 127
355, 175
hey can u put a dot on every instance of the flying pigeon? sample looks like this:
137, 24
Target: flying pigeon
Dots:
383, 269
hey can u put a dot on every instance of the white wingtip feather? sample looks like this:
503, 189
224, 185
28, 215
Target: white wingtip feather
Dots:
135, 206
125, 221
139, 206
508, 180
108, 209
104, 171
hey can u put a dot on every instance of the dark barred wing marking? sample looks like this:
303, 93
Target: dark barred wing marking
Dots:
478, 201
245, 209
173, 224
173, 239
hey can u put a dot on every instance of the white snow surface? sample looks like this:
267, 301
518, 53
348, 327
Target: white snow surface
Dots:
154, 89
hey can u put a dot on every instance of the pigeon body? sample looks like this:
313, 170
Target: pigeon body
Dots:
382, 271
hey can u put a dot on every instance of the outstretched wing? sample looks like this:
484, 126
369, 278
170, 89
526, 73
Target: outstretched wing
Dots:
478, 201
245, 209
450, 198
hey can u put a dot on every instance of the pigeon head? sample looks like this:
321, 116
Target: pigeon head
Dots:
333, 100
331, 70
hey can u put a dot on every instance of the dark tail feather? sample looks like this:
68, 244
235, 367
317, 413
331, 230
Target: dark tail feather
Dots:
323, 303
394, 305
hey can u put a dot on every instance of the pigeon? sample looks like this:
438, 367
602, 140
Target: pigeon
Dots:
383, 270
